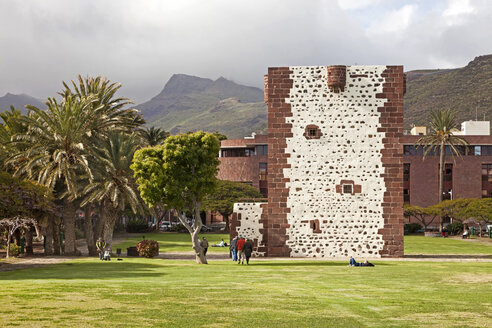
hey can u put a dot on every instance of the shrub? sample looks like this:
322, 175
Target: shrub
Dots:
148, 248
14, 249
412, 227
454, 228
178, 228
79, 234
137, 226
119, 227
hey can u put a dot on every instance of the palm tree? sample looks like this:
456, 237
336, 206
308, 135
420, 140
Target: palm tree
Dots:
153, 136
442, 124
57, 151
113, 184
110, 108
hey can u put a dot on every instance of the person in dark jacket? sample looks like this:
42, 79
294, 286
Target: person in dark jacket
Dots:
204, 244
233, 248
247, 249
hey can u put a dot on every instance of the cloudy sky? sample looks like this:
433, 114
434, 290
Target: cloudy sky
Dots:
142, 43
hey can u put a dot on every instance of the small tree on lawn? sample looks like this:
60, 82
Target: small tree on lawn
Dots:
480, 210
227, 193
12, 224
180, 173
424, 215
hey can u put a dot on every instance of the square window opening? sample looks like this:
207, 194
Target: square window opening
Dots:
347, 189
312, 132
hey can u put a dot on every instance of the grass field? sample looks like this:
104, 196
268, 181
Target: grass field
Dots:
162, 293
445, 246
414, 245
175, 242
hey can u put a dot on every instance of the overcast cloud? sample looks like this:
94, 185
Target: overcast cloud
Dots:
142, 43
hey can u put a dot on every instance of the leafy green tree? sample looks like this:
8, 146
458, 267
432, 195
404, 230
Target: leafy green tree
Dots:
227, 193
455, 208
442, 124
480, 210
13, 124
424, 215
180, 173
153, 136
22, 201
113, 184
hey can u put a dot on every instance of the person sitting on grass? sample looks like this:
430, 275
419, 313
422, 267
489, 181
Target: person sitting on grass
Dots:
221, 244
100, 246
352, 262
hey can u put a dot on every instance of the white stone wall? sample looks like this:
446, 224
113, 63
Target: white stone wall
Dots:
250, 223
349, 149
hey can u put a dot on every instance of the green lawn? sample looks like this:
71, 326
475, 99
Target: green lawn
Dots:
160, 293
414, 245
175, 242
444, 246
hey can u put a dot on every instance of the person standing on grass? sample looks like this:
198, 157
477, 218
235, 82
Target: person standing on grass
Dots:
240, 244
204, 244
247, 250
233, 248
100, 246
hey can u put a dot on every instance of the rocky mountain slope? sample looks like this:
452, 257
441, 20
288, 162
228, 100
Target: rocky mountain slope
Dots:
189, 103
19, 102
467, 90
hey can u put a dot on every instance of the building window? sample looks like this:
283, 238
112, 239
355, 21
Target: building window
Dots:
312, 132
447, 185
263, 170
406, 172
406, 195
238, 152
262, 150
347, 189
486, 180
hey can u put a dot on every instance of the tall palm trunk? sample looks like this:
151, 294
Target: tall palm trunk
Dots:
56, 239
441, 182
29, 237
69, 224
89, 231
100, 222
48, 238
111, 214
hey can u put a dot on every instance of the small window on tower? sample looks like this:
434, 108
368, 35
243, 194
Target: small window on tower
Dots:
347, 189
312, 132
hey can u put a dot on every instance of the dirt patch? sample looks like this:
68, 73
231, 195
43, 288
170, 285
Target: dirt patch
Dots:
470, 278
30, 262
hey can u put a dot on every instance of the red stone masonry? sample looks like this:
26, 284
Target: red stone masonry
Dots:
391, 124
274, 217
337, 77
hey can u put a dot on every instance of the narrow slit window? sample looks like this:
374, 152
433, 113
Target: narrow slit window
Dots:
312, 132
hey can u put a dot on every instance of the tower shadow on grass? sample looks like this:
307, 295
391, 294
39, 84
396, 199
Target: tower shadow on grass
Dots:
85, 270
298, 263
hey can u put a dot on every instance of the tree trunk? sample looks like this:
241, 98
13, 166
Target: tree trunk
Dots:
197, 227
100, 222
69, 224
29, 237
111, 214
9, 237
227, 221
56, 238
38, 233
48, 241
441, 182
89, 232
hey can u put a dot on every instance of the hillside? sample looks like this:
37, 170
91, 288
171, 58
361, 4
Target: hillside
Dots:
466, 90
189, 103
19, 102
